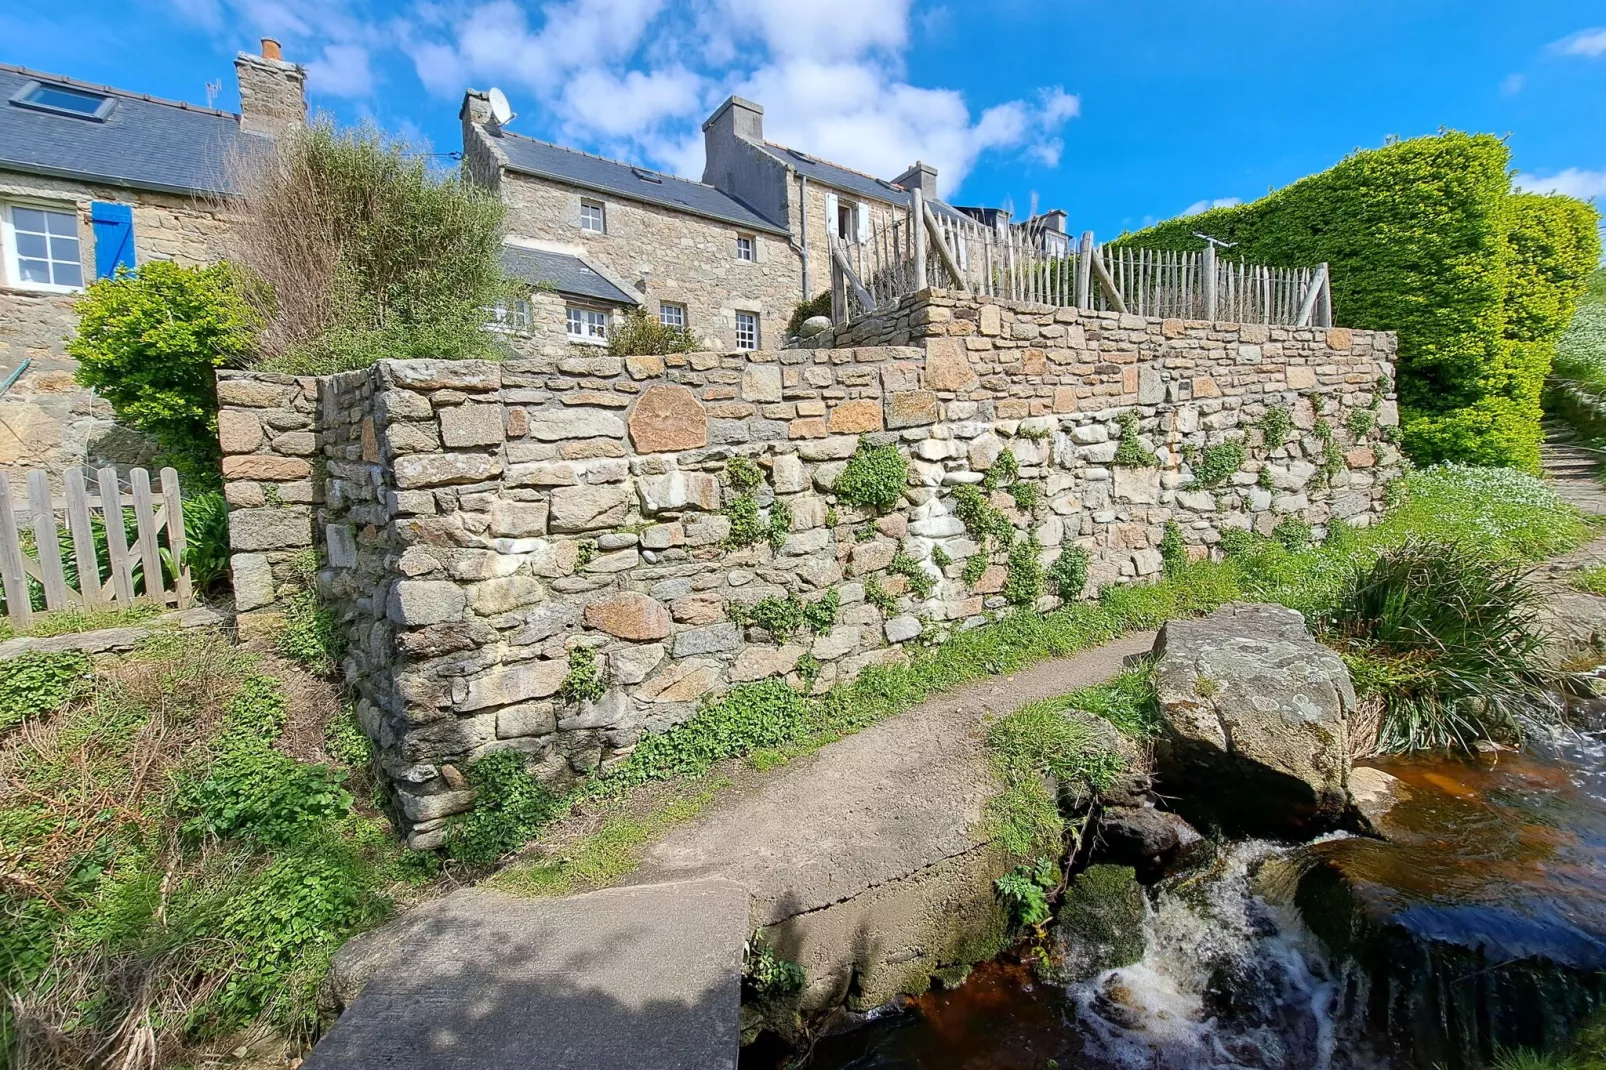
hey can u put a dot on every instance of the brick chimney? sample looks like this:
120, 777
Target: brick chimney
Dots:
273, 93
920, 176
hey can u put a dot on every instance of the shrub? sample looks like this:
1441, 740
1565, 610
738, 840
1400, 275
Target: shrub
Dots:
1217, 463
584, 680
1173, 551
637, 333
1025, 890
1130, 452
366, 252
510, 806
815, 306
37, 683
1023, 582
1068, 574
875, 477
1451, 640
150, 343
1425, 237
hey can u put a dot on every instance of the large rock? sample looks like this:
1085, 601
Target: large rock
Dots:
1255, 719
1149, 840
668, 418
1099, 925
629, 615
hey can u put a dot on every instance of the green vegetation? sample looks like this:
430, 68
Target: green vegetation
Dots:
1292, 532
874, 478
1359, 423
782, 617
750, 526
1592, 580
1446, 643
1587, 1052
1426, 237
150, 342
815, 306
1217, 463
1023, 579
34, 684
880, 597
637, 333
155, 830
1068, 574
584, 680
744, 473
1028, 748
765, 972
921, 582
1275, 424
1026, 496
362, 251
74, 621
510, 807
1025, 891
1128, 702
1577, 387
1003, 472
984, 522
1130, 452
1173, 551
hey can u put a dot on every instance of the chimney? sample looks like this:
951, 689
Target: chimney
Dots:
1054, 219
734, 119
273, 93
920, 176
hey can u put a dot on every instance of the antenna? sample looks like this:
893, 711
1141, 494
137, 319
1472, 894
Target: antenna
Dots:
213, 88
501, 111
1217, 242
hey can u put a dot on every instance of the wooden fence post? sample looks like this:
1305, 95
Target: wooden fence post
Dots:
1084, 271
46, 543
19, 603
1307, 306
943, 252
1210, 281
917, 228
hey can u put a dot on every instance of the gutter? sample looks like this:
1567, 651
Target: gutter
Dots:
15, 375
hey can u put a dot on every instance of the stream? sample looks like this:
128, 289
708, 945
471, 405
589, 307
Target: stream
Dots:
1480, 922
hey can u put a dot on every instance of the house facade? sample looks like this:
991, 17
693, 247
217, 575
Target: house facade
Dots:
93, 178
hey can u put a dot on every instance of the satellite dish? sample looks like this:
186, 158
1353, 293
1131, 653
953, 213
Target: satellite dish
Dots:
501, 111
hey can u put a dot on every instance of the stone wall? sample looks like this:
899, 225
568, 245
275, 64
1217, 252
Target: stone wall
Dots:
479, 522
48, 421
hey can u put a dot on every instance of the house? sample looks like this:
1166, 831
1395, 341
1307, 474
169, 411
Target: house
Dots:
93, 178
729, 257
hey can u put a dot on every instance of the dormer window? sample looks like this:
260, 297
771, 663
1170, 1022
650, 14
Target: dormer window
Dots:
64, 100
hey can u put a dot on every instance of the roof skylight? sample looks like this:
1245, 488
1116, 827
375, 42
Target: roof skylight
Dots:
64, 100
646, 176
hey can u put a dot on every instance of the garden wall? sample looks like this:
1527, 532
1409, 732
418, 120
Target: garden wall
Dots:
479, 522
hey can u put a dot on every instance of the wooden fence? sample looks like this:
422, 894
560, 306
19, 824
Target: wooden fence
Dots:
1033, 264
119, 539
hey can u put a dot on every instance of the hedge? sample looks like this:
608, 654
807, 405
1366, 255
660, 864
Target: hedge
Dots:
1425, 237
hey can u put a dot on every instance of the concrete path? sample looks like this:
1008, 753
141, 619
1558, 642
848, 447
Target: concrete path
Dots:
644, 978
857, 855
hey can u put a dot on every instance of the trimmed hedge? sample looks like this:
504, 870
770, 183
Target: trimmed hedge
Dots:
1425, 237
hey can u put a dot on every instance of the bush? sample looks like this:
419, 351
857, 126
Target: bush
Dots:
1025, 890
1023, 581
150, 343
875, 477
510, 806
637, 333
1425, 237
1068, 574
366, 253
1449, 641
206, 542
815, 306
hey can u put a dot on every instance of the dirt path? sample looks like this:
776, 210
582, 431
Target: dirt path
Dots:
1573, 470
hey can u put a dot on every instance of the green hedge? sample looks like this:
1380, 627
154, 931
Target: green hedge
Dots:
1425, 237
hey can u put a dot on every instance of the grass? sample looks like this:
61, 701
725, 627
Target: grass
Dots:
1591, 580
161, 885
74, 621
1587, 1052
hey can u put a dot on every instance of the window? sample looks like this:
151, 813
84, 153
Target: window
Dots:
65, 100
591, 217
672, 315
41, 248
747, 330
844, 221
744, 249
587, 324
511, 315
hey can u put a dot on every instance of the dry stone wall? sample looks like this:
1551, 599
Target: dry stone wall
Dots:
480, 522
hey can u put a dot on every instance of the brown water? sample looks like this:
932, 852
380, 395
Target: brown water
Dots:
1498, 864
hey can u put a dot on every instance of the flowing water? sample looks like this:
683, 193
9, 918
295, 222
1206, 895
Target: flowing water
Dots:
1482, 923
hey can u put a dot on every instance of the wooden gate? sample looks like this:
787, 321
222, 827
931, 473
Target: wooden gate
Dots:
108, 565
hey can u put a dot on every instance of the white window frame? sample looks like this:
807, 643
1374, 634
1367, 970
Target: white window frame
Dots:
601, 207
756, 339
747, 248
512, 317
585, 326
680, 314
8, 239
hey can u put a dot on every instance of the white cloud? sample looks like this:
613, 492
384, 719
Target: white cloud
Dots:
1590, 43
597, 102
1512, 84
343, 71
823, 30
1204, 206
1574, 182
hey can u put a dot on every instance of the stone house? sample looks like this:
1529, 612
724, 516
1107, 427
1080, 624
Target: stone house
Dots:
93, 178
729, 257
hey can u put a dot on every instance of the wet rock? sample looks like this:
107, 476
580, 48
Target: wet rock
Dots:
1099, 925
1149, 840
1373, 793
1255, 719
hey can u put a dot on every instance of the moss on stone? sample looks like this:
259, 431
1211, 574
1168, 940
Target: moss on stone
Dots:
1100, 922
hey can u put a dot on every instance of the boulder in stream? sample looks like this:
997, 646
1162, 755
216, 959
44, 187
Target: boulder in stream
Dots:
1255, 721
1149, 840
1099, 925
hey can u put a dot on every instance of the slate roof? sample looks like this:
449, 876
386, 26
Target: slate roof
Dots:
849, 180
527, 155
567, 273
144, 142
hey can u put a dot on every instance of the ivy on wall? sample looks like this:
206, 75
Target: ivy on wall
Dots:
1426, 237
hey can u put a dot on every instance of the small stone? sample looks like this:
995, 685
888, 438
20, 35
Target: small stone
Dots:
587, 508
680, 683
253, 581
415, 603
630, 663
238, 431
902, 629
912, 408
445, 469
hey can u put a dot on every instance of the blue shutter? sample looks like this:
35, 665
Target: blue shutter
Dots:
114, 237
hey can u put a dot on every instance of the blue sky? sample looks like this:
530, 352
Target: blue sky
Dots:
1120, 113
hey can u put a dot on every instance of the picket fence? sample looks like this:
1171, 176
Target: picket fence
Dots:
89, 579
912, 250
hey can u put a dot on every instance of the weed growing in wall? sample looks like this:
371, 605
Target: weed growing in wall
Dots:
940, 557
510, 806
1292, 532
584, 680
1216, 464
985, 523
1023, 582
1026, 496
1173, 550
744, 473
880, 597
1359, 423
921, 582
1130, 452
975, 568
1025, 891
875, 477
1003, 472
1068, 574
782, 617
765, 972
1275, 424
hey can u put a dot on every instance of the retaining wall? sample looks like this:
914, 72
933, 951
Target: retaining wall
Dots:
477, 521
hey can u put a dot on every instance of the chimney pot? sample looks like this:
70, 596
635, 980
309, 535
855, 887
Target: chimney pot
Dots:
271, 49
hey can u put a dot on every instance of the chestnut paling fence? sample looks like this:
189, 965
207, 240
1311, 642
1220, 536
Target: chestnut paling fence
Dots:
1032, 263
119, 545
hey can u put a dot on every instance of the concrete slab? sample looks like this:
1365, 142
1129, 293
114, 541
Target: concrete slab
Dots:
623, 979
